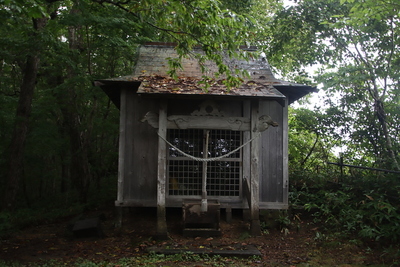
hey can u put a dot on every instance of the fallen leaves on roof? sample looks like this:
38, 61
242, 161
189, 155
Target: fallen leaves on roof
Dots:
188, 85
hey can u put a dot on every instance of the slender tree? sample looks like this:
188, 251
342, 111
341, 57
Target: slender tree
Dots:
23, 112
357, 45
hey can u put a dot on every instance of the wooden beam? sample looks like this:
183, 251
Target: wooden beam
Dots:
198, 122
177, 203
255, 228
162, 232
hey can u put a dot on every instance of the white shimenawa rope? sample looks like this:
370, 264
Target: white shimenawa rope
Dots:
210, 159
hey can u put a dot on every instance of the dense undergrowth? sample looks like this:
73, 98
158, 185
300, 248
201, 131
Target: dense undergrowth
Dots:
364, 209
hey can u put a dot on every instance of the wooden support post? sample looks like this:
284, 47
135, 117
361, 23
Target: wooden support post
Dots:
118, 223
228, 214
204, 206
162, 173
255, 228
285, 152
246, 160
121, 156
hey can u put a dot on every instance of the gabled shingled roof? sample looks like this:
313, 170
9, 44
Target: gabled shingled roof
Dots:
150, 78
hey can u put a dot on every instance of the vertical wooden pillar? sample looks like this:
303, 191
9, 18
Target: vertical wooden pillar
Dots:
121, 156
255, 228
162, 173
285, 153
122, 147
246, 160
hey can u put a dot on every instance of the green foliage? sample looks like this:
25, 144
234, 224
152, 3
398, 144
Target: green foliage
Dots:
276, 220
355, 207
356, 45
311, 141
9, 264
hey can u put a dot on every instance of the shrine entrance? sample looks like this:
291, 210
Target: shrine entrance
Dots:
193, 174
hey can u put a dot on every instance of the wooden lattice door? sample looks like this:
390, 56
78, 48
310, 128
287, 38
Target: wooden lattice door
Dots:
186, 175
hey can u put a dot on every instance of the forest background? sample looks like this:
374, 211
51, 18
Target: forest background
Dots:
59, 133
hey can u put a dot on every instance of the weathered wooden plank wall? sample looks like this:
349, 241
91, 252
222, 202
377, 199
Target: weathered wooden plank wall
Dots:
138, 157
272, 184
187, 106
140, 152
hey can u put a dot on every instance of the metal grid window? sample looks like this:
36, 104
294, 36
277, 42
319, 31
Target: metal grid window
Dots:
223, 175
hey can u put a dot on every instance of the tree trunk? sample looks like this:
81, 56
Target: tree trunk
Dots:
311, 151
381, 114
23, 113
79, 166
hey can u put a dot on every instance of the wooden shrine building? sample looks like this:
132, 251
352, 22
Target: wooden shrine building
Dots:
180, 140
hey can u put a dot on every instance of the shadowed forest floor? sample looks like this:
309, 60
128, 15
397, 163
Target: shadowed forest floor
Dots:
301, 244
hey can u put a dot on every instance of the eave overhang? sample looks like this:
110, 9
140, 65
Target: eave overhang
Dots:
150, 80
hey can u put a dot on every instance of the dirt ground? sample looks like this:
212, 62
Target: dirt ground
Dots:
302, 244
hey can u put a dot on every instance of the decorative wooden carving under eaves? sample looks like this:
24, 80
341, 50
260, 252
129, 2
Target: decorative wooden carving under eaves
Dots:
208, 116
222, 123
208, 108
200, 122
211, 122
263, 123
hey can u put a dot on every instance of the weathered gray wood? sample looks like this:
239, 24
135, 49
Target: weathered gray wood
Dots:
191, 107
228, 214
197, 222
255, 228
200, 122
204, 205
143, 167
272, 167
273, 206
271, 151
129, 145
118, 223
246, 149
285, 155
121, 157
246, 191
162, 173
140, 151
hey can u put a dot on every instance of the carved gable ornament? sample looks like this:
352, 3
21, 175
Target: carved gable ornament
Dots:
208, 108
209, 116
